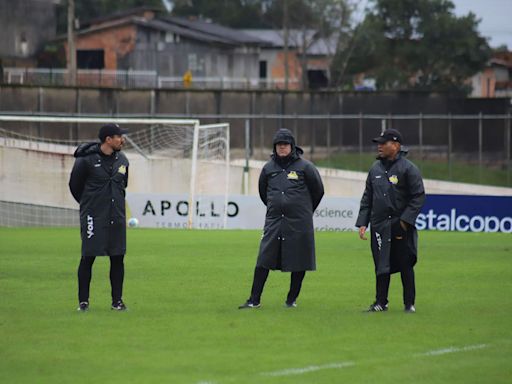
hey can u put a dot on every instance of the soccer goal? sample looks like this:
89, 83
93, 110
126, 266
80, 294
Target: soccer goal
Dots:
167, 157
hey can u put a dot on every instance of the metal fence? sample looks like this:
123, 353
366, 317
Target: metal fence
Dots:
462, 148
136, 79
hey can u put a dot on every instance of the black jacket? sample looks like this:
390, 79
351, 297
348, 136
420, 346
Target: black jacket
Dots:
291, 188
98, 184
394, 191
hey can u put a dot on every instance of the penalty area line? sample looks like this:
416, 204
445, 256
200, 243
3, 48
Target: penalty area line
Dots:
311, 368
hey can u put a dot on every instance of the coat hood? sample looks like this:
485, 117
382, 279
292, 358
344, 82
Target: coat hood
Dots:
286, 136
86, 149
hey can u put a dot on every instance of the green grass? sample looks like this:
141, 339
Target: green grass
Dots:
183, 325
431, 169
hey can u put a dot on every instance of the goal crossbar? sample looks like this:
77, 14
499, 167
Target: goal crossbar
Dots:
106, 119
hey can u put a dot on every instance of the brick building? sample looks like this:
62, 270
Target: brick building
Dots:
144, 39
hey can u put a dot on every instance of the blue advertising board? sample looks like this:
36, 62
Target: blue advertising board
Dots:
466, 213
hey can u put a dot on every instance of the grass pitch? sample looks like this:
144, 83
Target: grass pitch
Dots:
183, 326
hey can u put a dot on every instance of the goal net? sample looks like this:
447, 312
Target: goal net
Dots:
169, 159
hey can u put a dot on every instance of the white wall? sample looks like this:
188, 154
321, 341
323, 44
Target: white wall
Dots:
39, 177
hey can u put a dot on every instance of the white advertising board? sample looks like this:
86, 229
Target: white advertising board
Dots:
244, 212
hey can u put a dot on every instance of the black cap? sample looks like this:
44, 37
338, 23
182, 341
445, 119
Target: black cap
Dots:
388, 135
110, 129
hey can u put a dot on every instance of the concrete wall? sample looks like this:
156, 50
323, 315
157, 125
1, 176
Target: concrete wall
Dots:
108, 101
39, 176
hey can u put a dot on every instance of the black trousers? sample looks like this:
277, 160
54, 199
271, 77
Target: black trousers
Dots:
399, 262
408, 285
260, 277
116, 277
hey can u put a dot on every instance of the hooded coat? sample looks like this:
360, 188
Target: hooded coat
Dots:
394, 191
98, 184
291, 188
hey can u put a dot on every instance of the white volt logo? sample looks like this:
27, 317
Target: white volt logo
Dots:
379, 240
90, 227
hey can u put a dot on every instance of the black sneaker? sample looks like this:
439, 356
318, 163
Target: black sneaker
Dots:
409, 309
376, 307
83, 306
293, 304
119, 306
249, 304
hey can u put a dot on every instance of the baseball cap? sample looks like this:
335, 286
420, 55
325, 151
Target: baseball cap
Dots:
110, 129
388, 135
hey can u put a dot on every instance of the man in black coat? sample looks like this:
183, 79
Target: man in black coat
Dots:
98, 182
291, 188
391, 202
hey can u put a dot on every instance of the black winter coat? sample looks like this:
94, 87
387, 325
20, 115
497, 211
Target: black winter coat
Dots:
291, 192
394, 191
98, 184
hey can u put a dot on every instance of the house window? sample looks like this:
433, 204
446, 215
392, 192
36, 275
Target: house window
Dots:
317, 79
90, 59
172, 37
263, 69
192, 62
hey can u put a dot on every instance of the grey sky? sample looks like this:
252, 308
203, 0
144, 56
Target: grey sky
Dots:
495, 18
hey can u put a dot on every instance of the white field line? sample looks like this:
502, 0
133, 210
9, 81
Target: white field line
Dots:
311, 368
346, 364
444, 351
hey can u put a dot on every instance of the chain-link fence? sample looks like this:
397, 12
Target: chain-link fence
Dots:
461, 148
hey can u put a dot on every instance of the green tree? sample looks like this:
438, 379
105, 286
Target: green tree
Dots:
414, 44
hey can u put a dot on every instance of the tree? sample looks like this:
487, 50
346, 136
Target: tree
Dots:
415, 44
231, 13
311, 21
90, 9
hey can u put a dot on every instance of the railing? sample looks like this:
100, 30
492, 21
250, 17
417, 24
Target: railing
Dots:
137, 79
464, 148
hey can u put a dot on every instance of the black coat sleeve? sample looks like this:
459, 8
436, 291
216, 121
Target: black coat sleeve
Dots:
416, 196
365, 208
262, 186
314, 184
77, 178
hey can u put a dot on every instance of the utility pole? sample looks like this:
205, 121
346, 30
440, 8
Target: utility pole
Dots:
71, 43
286, 40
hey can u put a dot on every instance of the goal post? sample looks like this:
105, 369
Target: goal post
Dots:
205, 137
167, 156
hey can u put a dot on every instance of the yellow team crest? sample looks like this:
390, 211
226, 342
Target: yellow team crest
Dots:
292, 175
122, 169
393, 179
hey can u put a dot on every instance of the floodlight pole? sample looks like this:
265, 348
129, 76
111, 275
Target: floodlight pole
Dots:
71, 43
247, 155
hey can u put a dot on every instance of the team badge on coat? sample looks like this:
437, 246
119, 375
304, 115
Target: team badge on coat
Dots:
122, 169
293, 175
393, 179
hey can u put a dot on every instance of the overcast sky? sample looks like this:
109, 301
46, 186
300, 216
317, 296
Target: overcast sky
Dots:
496, 18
